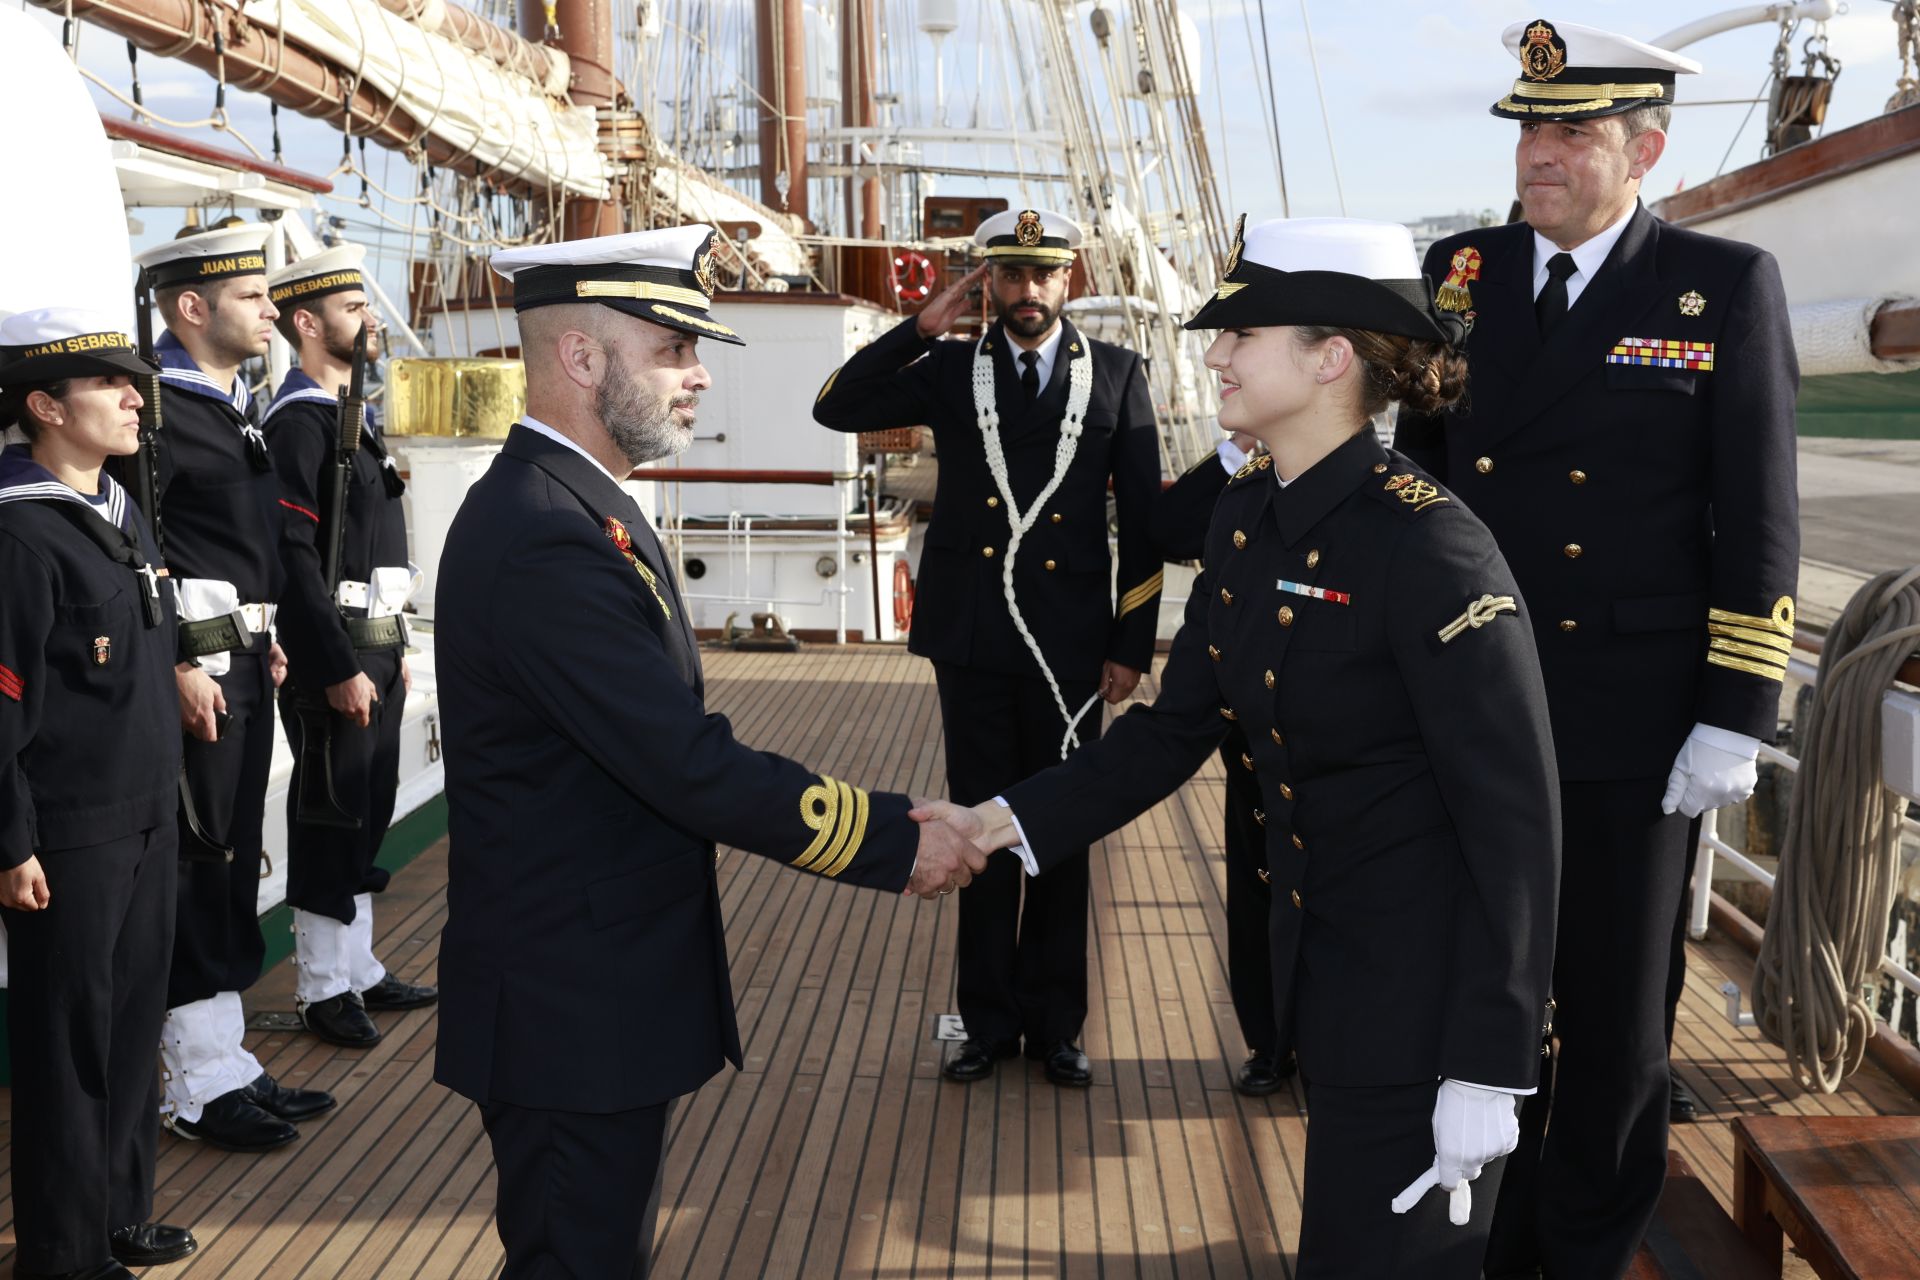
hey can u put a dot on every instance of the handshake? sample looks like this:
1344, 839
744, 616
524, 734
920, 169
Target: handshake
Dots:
955, 842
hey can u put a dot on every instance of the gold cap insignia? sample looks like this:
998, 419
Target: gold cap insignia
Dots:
1691, 303
705, 274
1027, 231
1544, 55
1239, 243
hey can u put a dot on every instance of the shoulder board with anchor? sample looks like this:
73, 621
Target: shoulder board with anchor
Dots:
1259, 462
1408, 490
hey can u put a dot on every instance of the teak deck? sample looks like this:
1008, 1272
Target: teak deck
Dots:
839, 1151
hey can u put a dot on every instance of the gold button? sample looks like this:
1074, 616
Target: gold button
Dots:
1578, 477
1049, 566
1213, 653
1269, 679
1571, 550
1260, 816
1278, 741
1313, 559
1246, 760
1568, 624
993, 502
1239, 540
1379, 468
1483, 465
1226, 596
1056, 517
1295, 895
1266, 876
1298, 843
987, 552
1286, 615
1286, 791
1228, 713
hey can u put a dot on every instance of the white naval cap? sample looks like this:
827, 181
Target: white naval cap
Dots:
1571, 72
195, 257
666, 276
1345, 272
64, 342
1029, 237
332, 270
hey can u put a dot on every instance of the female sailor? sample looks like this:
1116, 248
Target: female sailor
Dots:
1362, 630
89, 776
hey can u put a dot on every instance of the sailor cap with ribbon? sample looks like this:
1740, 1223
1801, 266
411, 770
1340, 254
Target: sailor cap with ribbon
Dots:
1571, 72
64, 342
1029, 238
1342, 272
334, 270
200, 257
666, 276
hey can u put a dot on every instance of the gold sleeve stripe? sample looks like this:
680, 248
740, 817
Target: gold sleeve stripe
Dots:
1142, 593
856, 833
1767, 656
1770, 639
828, 387
819, 813
1780, 623
1751, 668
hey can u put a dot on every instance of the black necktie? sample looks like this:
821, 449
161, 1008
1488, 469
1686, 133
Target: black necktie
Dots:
1550, 308
1030, 376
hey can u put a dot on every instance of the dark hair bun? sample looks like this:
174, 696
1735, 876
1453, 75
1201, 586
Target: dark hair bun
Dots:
1428, 377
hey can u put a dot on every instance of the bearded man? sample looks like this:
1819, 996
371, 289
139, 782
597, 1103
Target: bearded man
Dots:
1018, 606
584, 967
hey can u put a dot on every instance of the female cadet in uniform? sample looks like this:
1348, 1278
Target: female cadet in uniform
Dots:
1363, 631
89, 776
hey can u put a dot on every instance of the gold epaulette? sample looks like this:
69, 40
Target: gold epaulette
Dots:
837, 815
1142, 593
1416, 492
1755, 645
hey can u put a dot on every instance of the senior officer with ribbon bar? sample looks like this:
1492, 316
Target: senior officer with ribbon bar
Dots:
1630, 442
584, 967
219, 526
346, 647
1016, 603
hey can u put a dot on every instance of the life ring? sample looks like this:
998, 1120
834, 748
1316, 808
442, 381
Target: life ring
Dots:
911, 276
902, 597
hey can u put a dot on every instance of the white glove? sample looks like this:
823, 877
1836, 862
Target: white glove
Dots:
1715, 767
1471, 1126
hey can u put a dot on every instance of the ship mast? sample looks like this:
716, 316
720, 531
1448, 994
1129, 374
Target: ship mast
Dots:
781, 42
583, 30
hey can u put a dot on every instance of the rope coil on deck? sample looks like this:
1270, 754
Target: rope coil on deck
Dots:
1827, 926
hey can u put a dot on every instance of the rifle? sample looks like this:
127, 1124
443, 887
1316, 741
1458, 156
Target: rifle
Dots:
143, 487
317, 802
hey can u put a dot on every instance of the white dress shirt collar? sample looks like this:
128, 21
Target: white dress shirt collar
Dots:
534, 424
1046, 351
1586, 257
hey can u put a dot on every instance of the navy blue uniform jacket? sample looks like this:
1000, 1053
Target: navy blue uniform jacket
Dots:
1649, 510
583, 967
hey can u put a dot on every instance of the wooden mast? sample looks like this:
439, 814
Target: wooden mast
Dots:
583, 30
781, 42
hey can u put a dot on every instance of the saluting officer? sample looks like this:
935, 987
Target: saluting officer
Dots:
89, 775
584, 961
345, 646
220, 519
1362, 630
1181, 516
1015, 603
1630, 442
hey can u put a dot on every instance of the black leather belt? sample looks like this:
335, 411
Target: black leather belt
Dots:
210, 636
376, 633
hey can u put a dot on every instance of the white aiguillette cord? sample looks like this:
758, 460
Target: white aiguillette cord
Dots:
1079, 394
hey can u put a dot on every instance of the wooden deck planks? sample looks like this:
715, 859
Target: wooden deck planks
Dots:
839, 1151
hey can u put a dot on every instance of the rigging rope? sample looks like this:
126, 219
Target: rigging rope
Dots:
1827, 926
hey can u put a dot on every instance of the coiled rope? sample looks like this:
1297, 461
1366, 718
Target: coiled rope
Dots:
1827, 926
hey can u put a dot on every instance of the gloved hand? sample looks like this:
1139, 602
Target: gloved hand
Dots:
1471, 1126
1715, 767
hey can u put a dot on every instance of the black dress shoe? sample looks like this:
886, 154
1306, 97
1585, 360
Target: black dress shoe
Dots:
1065, 1064
149, 1244
341, 1020
1682, 1106
233, 1123
974, 1060
105, 1271
391, 993
276, 1099
1263, 1074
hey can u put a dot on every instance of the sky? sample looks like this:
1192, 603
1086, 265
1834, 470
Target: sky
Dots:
1406, 86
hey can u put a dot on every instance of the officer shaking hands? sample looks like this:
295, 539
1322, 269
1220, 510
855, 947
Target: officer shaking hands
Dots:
1630, 442
343, 547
